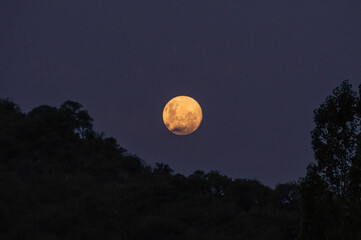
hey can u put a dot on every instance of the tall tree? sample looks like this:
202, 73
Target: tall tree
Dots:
326, 189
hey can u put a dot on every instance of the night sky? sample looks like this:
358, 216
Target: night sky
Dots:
257, 68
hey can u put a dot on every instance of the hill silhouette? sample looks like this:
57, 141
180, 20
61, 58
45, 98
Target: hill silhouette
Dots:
62, 180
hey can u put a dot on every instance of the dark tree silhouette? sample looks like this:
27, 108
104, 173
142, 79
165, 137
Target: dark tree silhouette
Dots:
162, 169
329, 190
82, 122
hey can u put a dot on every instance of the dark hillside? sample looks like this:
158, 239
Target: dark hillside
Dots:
61, 180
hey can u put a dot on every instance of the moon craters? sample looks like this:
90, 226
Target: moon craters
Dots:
182, 115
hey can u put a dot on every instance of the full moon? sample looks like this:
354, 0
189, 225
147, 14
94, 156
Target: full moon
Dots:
182, 115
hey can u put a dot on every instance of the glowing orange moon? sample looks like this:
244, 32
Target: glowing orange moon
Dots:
182, 115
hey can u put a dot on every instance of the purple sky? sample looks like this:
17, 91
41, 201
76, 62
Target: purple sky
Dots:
257, 68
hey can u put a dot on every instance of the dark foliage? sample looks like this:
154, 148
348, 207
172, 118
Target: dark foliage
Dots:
61, 180
331, 190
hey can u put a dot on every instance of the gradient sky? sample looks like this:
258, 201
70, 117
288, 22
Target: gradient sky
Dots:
258, 69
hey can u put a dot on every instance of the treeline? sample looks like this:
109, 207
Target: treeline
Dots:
59, 179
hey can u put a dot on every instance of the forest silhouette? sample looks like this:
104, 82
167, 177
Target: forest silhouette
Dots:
62, 180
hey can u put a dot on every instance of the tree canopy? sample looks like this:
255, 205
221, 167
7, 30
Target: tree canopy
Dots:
331, 189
